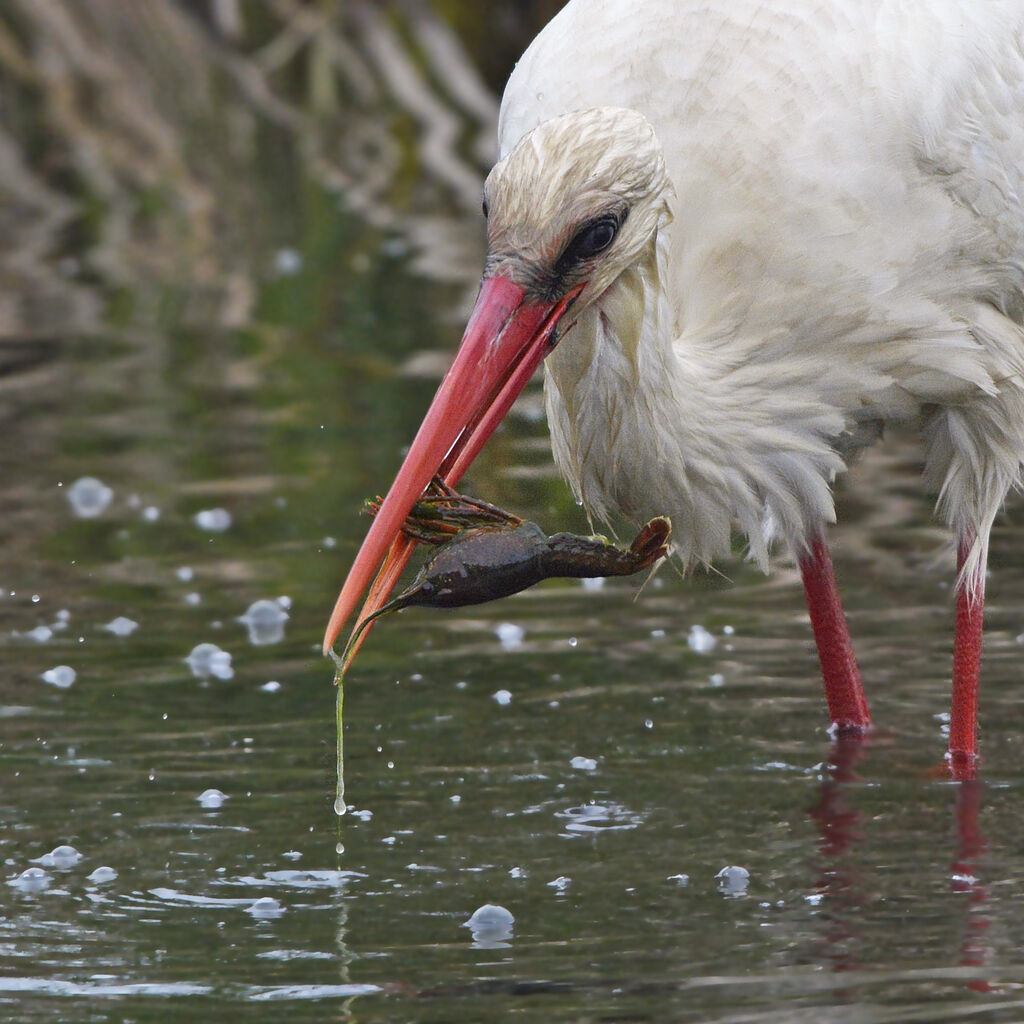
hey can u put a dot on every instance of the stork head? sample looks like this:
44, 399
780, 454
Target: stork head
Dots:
576, 202
573, 205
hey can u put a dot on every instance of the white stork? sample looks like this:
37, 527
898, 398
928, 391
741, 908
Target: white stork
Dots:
743, 236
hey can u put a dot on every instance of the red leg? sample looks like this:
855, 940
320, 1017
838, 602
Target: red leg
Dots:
847, 705
963, 718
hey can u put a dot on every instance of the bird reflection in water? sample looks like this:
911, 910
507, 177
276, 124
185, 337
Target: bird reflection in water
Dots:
842, 889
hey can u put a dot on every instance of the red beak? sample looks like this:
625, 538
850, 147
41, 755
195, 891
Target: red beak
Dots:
506, 339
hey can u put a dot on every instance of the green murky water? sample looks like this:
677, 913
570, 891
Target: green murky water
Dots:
580, 757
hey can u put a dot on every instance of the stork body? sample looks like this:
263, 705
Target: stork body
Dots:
778, 227
846, 248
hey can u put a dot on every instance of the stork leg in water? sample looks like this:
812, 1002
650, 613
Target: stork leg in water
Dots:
963, 713
743, 237
847, 704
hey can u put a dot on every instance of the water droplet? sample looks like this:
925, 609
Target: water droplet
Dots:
185, 573
502, 697
62, 676
35, 599
573, 642
717, 679
728, 630
102, 874
41, 634
583, 764
150, 514
89, 497
561, 883
192, 599
216, 520
272, 687
339, 848
340, 807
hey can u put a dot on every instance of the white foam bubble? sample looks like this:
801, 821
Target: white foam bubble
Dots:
212, 799
216, 520
266, 908
62, 676
700, 640
89, 497
121, 626
207, 660
491, 926
59, 857
510, 635
265, 622
733, 880
31, 880
287, 261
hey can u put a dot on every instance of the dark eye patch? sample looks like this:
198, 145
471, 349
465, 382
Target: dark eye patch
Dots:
593, 239
590, 240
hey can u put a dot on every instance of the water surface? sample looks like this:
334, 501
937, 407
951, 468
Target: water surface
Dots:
237, 339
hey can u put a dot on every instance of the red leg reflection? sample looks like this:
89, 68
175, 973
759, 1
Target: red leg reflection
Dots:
971, 846
839, 830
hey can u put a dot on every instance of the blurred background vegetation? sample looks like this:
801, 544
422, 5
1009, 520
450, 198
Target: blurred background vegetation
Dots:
128, 127
238, 239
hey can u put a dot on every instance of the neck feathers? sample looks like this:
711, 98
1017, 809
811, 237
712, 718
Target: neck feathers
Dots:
644, 425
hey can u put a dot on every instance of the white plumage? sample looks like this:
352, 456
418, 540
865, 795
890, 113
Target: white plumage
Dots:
763, 230
836, 241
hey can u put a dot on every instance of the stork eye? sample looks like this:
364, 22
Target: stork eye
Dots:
593, 239
486, 207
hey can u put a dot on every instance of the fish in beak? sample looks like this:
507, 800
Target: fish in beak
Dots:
506, 339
